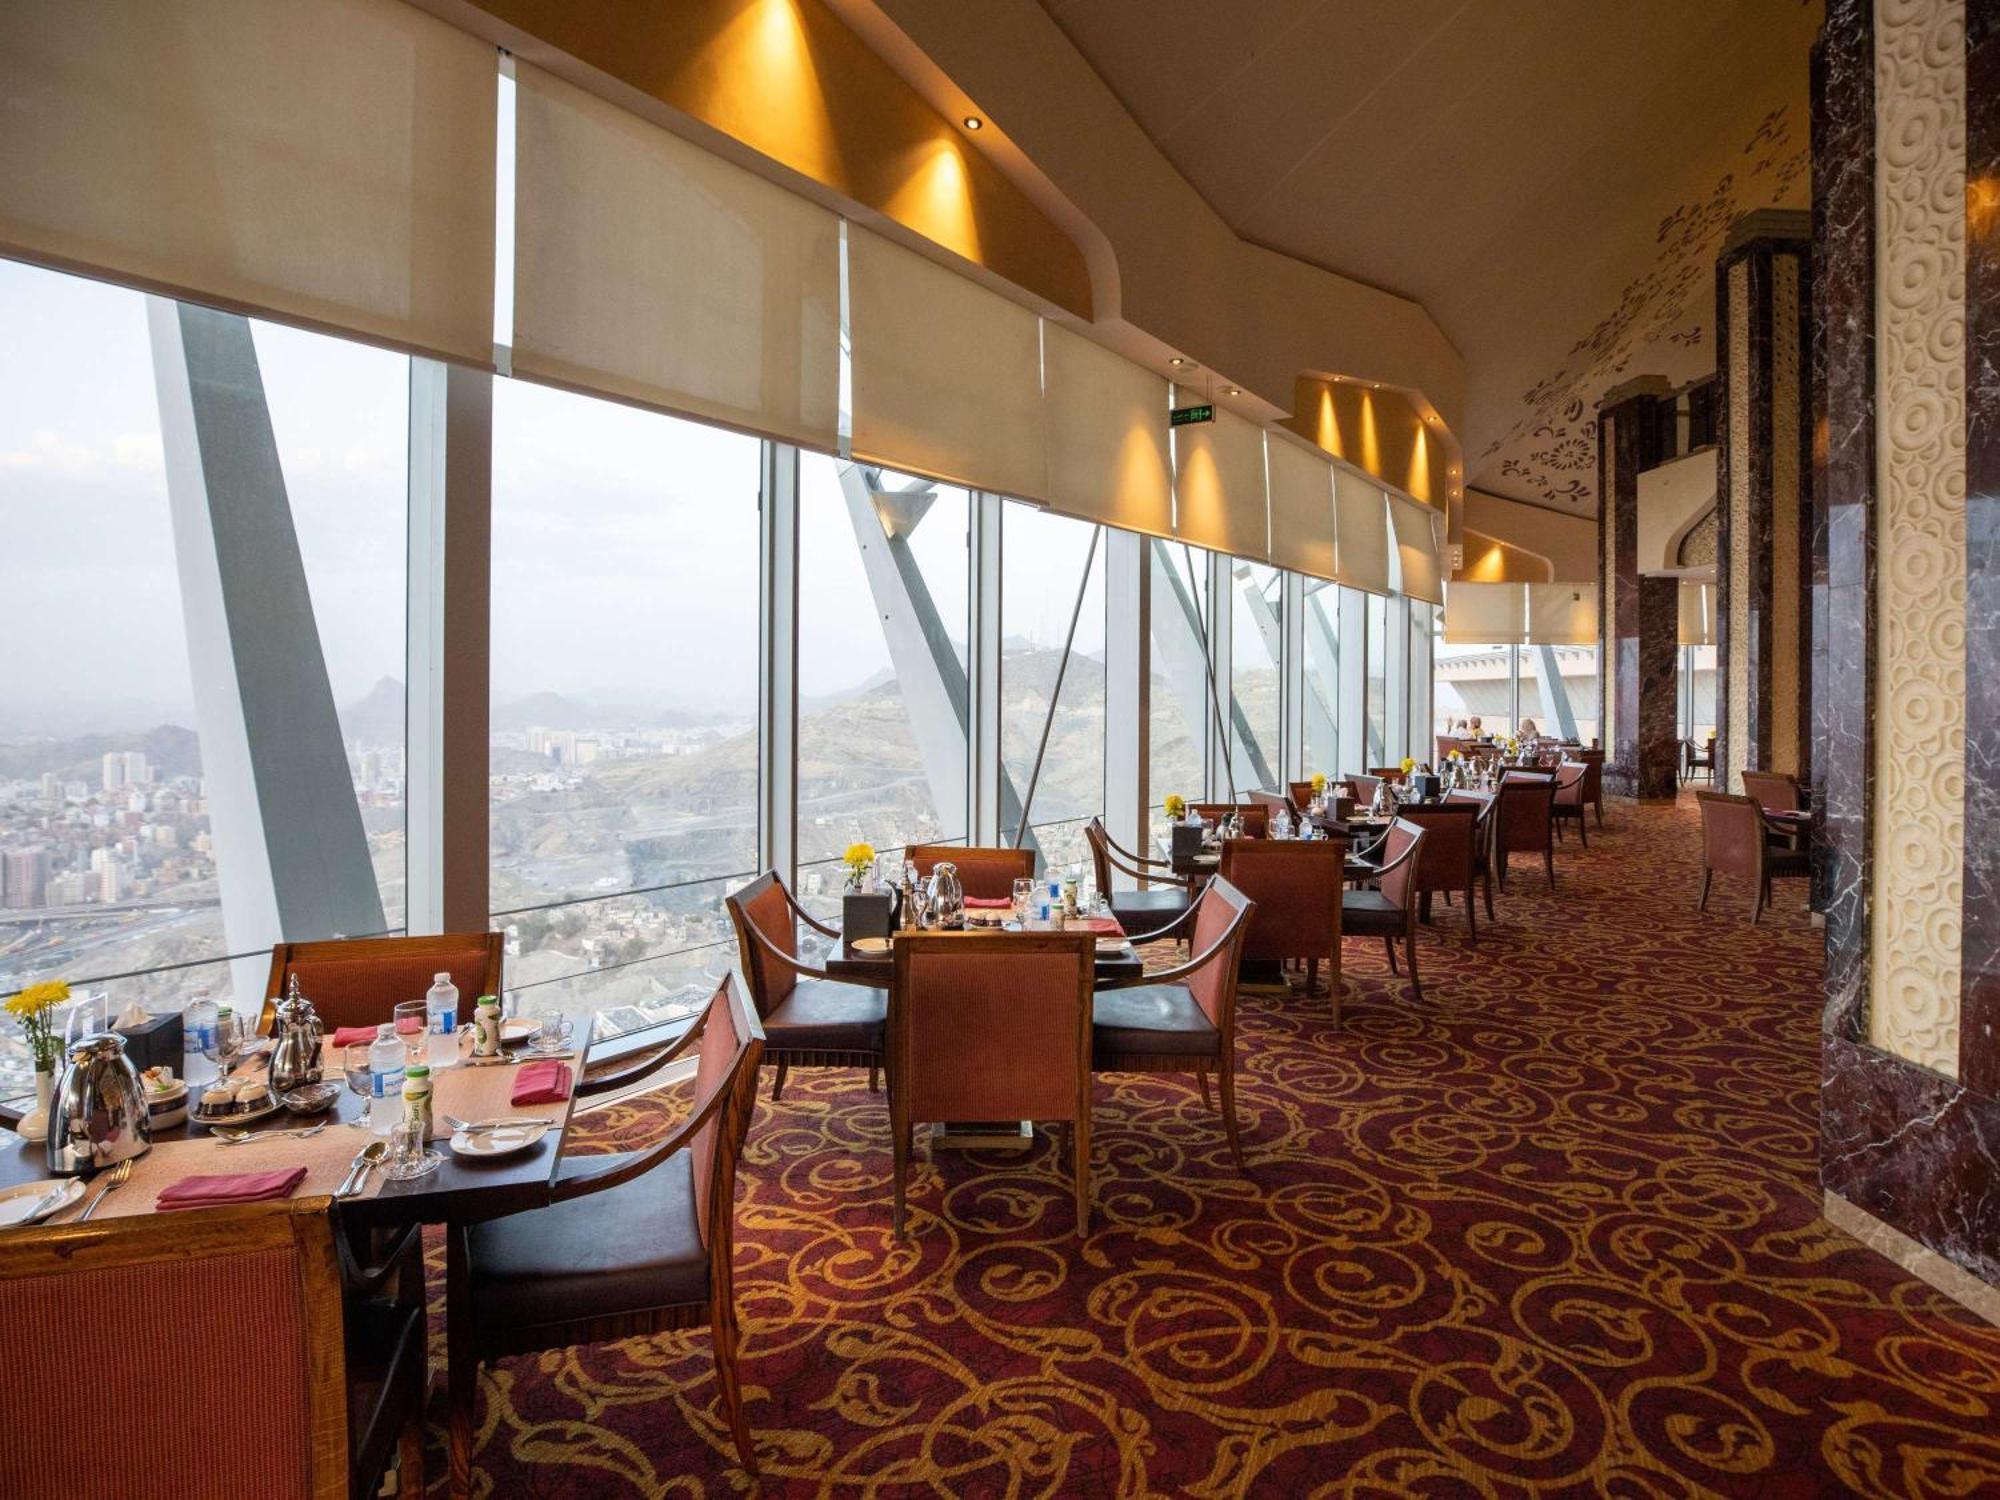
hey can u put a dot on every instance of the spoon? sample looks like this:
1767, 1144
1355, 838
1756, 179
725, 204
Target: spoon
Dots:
364, 1161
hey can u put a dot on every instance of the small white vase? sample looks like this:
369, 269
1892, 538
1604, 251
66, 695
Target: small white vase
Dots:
34, 1124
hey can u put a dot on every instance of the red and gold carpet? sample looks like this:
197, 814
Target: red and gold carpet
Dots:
1552, 1231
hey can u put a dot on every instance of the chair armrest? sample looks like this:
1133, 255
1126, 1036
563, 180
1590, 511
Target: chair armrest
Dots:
1141, 868
643, 1053
809, 919
1194, 965
1157, 933
774, 951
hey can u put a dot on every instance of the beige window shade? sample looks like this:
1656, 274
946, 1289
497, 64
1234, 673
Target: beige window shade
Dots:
947, 374
1361, 531
1219, 497
329, 162
1562, 614
1416, 549
1107, 436
1697, 614
1301, 506
1485, 614
650, 270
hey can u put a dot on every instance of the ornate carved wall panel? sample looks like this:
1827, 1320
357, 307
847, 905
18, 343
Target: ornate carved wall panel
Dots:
1735, 590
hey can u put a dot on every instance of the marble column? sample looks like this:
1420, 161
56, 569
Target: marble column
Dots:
1763, 459
1639, 618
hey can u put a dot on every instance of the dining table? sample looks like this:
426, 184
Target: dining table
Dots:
1359, 832
876, 965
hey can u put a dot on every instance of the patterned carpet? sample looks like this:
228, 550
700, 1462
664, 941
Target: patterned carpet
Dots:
1553, 1231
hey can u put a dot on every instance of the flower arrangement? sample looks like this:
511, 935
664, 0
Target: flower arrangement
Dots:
1409, 764
1318, 782
1456, 755
35, 1005
1176, 806
859, 859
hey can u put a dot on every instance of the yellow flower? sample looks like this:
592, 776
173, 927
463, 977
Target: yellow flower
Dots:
37, 998
1319, 781
1455, 755
1175, 805
1409, 764
858, 855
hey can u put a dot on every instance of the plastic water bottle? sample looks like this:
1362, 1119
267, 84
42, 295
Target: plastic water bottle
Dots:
385, 1080
197, 1030
441, 1008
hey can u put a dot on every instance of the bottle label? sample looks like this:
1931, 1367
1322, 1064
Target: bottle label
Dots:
382, 1084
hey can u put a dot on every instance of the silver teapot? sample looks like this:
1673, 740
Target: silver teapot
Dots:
99, 1116
947, 896
296, 1034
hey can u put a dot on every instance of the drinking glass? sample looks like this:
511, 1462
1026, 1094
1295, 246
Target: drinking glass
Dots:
413, 1023
224, 1041
354, 1063
410, 1155
1024, 899
557, 1030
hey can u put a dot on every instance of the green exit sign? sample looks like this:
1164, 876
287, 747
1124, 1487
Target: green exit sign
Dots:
1181, 416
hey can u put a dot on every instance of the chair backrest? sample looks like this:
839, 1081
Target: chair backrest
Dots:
1485, 808
992, 1026
1450, 845
1256, 817
1296, 885
1272, 804
359, 981
1399, 885
1099, 843
1362, 788
1525, 817
765, 907
176, 1288
1774, 790
986, 873
1446, 743
1732, 834
1570, 777
1301, 796
732, 1047
1391, 774
1222, 920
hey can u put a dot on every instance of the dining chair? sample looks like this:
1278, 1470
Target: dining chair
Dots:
1775, 791
1256, 816
809, 1018
1137, 911
1362, 788
1271, 802
1525, 821
1389, 911
1485, 808
991, 1026
1300, 794
983, 873
1693, 760
1571, 801
1183, 1019
633, 1244
1735, 839
1450, 861
337, 1368
1391, 774
1592, 760
1295, 886
358, 981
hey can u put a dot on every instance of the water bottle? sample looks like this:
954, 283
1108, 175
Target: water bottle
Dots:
441, 1008
197, 1029
1054, 902
385, 1080
1281, 824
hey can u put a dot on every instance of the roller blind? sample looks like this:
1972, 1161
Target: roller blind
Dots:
648, 269
329, 162
1301, 506
1562, 614
1485, 614
1107, 436
947, 374
1219, 497
1697, 614
1416, 549
1361, 531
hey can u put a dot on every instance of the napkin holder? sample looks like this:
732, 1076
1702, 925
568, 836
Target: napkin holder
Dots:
1186, 840
867, 914
1424, 787
155, 1043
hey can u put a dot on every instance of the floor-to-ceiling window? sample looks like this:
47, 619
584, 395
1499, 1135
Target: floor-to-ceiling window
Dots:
1377, 702
1256, 608
1179, 726
1475, 690
884, 620
1052, 632
1321, 751
624, 672
1697, 693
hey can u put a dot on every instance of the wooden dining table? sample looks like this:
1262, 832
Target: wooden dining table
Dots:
878, 969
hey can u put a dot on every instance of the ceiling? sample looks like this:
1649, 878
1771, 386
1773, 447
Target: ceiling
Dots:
1551, 179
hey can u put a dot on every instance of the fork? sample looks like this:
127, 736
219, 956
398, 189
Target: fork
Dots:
118, 1176
238, 1137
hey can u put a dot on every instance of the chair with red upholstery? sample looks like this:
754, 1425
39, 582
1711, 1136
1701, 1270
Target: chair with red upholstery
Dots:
1525, 821
1486, 807
1450, 859
634, 1244
1693, 760
809, 1018
359, 981
1294, 886
265, 1290
1390, 910
1735, 839
1300, 794
1391, 774
992, 1026
1572, 799
1256, 817
984, 874
1362, 788
1137, 911
1775, 791
1183, 1019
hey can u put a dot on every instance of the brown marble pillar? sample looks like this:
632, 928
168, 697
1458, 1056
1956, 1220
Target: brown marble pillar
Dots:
1639, 618
1763, 461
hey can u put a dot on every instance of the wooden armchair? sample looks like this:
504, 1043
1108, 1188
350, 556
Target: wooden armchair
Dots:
992, 1026
1183, 1019
809, 1018
1693, 760
1390, 910
634, 1244
1525, 821
1450, 861
1138, 912
1572, 799
1735, 839
358, 981
1294, 886
987, 874
1300, 794
1485, 806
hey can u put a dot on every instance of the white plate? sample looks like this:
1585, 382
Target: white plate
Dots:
871, 945
1111, 944
231, 1121
504, 1141
31, 1202
517, 1029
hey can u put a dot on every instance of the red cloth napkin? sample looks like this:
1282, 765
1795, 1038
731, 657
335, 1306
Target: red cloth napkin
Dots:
350, 1036
230, 1187
543, 1082
993, 902
1103, 926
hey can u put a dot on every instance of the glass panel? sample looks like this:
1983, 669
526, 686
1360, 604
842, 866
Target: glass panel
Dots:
1256, 609
1377, 711
1698, 693
884, 618
624, 743
1050, 567
1423, 642
1322, 678
1475, 690
1180, 713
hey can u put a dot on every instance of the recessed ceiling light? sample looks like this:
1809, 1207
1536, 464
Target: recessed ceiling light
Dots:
973, 122
1176, 361
1231, 391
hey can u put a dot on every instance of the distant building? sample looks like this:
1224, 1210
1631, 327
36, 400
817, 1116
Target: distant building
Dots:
26, 873
51, 787
114, 771
137, 771
70, 888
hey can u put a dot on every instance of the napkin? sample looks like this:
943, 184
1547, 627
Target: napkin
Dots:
545, 1082
989, 901
352, 1036
230, 1187
1103, 926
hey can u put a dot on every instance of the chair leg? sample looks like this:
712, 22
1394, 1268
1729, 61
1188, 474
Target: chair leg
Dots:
778, 1083
1389, 946
1549, 861
1206, 1103
410, 1457
1312, 976
1488, 878
1471, 914
900, 1130
875, 1078
1582, 828
1226, 1082
1500, 861
722, 1327
461, 1360
1416, 985
1559, 830
1707, 876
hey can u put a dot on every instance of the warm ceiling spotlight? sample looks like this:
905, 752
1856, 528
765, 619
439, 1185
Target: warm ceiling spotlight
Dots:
1231, 391
1176, 361
973, 122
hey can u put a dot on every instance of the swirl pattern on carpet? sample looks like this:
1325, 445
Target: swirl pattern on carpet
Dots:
1553, 1231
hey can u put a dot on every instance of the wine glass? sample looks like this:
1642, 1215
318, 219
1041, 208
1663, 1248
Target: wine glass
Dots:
413, 1023
1024, 899
354, 1062
223, 1042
